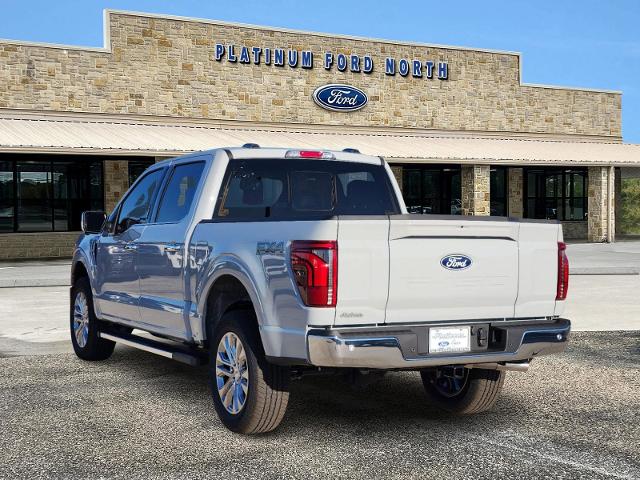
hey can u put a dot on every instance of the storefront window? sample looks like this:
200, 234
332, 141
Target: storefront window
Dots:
34, 197
432, 189
498, 189
556, 193
40, 193
6, 196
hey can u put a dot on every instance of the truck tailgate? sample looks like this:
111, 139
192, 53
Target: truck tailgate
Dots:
451, 269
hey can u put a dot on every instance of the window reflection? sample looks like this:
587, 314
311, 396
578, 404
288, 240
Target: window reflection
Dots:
556, 193
432, 189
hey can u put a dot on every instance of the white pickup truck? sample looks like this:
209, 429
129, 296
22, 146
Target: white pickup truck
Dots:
268, 264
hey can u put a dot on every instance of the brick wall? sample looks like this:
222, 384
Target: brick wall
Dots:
167, 67
37, 245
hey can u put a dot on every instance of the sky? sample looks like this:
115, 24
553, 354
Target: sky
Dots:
583, 43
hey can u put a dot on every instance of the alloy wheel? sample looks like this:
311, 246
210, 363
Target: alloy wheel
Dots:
232, 374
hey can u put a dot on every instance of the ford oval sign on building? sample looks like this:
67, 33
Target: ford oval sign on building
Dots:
455, 262
340, 98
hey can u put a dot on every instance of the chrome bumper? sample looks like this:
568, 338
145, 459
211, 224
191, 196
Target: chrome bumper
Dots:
377, 349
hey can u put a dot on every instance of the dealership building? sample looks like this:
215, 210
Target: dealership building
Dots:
463, 133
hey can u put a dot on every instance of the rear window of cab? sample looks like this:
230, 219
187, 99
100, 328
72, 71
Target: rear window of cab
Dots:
304, 189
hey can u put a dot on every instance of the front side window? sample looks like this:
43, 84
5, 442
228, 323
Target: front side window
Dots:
178, 195
556, 193
135, 207
137, 168
300, 189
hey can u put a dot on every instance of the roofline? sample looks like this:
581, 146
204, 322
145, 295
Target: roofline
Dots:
242, 125
106, 48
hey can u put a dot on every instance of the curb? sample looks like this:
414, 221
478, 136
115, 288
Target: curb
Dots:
52, 282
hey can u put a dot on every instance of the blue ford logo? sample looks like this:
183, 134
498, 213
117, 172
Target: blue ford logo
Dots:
340, 98
455, 262
443, 344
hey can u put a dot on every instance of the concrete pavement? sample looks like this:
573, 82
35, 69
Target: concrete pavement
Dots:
604, 258
40, 273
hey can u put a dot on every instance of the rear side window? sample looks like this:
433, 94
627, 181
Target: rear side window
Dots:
304, 189
178, 195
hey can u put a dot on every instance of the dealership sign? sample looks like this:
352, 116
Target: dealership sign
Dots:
280, 57
340, 98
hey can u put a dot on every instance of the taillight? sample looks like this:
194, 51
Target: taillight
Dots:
315, 267
563, 272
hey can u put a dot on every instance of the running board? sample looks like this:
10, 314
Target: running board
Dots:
177, 352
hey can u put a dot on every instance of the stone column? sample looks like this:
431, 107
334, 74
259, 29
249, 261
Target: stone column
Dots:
598, 205
397, 172
515, 183
116, 182
475, 189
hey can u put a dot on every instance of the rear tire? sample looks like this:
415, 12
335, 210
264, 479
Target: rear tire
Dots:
85, 337
463, 391
250, 395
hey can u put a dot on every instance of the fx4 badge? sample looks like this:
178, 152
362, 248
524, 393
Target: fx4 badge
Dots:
270, 248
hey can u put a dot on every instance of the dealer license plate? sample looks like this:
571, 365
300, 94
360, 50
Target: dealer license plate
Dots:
449, 339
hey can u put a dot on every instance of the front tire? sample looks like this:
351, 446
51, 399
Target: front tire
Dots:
250, 394
463, 391
85, 336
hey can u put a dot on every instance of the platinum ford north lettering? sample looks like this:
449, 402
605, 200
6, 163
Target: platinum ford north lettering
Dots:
270, 264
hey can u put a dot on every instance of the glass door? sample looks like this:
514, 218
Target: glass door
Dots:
34, 197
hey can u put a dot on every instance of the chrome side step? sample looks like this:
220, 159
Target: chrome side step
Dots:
177, 352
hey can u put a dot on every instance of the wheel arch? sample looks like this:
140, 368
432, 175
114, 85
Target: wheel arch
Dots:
228, 291
79, 270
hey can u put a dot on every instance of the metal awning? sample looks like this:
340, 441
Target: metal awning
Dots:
168, 138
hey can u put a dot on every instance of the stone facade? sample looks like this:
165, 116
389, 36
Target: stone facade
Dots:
37, 245
161, 66
167, 67
574, 230
116, 182
598, 221
475, 182
397, 173
515, 187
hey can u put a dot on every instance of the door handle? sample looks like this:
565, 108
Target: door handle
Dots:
130, 247
172, 248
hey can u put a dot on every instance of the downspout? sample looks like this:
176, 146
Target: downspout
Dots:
610, 204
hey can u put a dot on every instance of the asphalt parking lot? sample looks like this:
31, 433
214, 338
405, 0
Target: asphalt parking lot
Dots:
136, 415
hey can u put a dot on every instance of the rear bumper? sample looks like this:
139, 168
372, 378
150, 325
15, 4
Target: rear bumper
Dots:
399, 347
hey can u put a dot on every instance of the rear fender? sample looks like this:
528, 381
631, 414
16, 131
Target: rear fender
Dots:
225, 265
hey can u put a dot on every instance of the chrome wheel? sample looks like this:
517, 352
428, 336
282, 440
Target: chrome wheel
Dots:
232, 374
81, 319
450, 380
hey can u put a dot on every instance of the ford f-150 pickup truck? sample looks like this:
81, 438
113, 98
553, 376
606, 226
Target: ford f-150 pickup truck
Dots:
268, 264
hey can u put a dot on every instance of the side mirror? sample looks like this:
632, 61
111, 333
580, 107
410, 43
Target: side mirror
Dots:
92, 221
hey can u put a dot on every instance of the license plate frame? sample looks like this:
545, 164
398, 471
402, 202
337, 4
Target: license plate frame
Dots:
450, 339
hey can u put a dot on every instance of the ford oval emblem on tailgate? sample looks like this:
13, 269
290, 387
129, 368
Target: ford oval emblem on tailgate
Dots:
455, 262
340, 98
